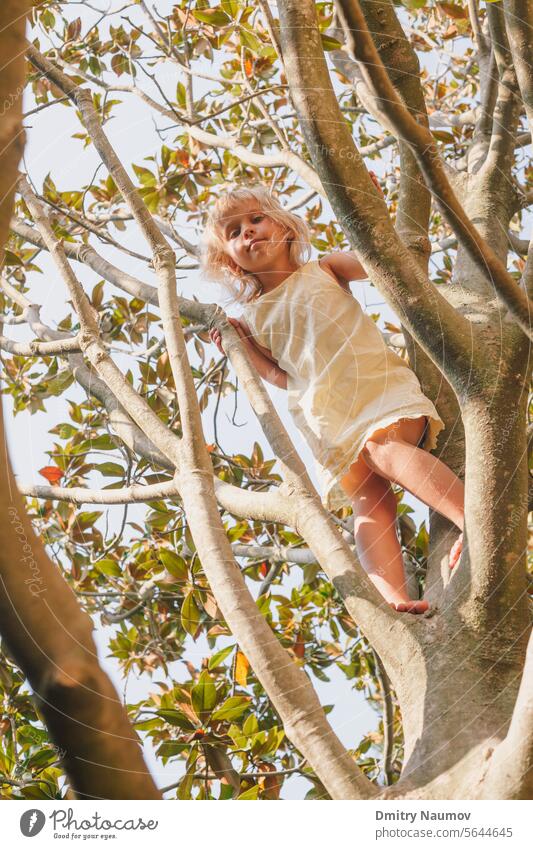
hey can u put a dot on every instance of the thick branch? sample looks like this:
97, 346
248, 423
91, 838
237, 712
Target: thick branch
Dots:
506, 110
510, 774
519, 23
403, 68
428, 158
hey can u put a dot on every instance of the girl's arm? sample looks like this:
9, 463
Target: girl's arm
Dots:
261, 358
344, 267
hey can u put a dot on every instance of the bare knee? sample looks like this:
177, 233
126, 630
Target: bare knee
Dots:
374, 451
382, 443
375, 494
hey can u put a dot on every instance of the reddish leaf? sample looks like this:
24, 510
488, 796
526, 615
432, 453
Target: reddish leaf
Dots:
454, 11
52, 474
299, 646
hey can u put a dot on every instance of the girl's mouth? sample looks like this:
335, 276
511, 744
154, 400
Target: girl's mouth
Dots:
255, 242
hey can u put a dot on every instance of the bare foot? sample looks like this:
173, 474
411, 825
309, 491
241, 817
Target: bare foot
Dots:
410, 606
455, 551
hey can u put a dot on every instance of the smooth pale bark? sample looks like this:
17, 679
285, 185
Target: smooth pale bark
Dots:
519, 24
512, 767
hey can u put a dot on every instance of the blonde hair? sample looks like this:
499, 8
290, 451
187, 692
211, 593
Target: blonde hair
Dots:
214, 261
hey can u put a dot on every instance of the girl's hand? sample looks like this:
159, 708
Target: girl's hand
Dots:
217, 338
375, 180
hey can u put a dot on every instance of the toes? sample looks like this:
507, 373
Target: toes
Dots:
455, 552
410, 606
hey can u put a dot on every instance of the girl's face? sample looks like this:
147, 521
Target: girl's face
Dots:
252, 240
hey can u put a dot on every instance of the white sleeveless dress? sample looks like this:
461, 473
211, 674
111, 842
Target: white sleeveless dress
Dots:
343, 382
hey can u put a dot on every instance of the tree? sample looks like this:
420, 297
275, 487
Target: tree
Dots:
455, 684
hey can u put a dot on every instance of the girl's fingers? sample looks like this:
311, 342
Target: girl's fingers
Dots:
238, 327
216, 336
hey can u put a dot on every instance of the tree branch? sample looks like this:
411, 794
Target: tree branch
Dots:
429, 161
403, 68
519, 24
134, 494
40, 349
506, 110
510, 774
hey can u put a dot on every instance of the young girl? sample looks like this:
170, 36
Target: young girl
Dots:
357, 404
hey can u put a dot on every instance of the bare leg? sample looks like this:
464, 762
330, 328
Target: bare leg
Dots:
378, 547
392, 453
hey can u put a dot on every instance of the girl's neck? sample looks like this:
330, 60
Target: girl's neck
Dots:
280, 269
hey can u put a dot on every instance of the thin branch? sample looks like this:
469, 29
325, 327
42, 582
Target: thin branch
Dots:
134, 494
40, 349
388, 718
280, 158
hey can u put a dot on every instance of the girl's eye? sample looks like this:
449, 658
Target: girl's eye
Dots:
235, 232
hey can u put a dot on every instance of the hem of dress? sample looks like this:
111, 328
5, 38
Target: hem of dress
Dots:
334, 497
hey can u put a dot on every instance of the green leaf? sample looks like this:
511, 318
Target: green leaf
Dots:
176, 717
181, 95
190, 615
204, 696
252, 793
217, 658
329, 43
108, 567
174, 564
145, 176
102, 443
215, 17
185, 787
110, 469
231, 7
249, 40
232, 708
171, 748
